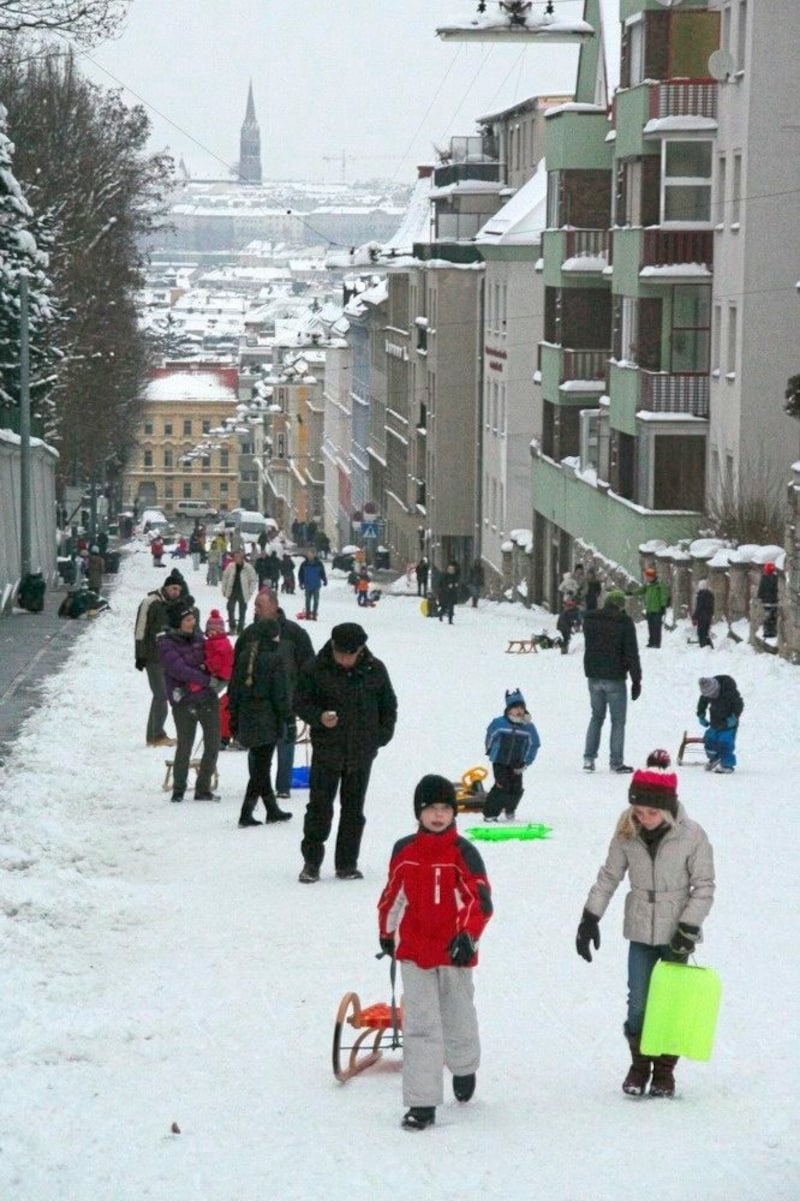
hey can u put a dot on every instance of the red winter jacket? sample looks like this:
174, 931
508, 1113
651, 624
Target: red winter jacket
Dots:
437, 888
218, 655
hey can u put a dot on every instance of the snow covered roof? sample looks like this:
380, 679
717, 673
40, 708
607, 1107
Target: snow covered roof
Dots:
189, 385
416, 224
687, 124
521, 220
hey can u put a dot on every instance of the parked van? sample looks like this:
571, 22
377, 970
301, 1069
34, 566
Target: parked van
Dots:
195, 508
249, 524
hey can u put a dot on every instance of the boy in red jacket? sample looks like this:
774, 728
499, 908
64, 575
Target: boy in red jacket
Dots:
431, 914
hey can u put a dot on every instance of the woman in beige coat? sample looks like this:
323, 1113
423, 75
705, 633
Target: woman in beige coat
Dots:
670, 868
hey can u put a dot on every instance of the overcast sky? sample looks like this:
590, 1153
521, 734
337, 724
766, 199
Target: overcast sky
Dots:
365, 77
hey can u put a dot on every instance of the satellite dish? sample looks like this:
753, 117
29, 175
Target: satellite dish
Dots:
721, 64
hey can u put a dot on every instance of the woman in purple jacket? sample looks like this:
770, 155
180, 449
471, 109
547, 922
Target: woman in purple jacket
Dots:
192, 697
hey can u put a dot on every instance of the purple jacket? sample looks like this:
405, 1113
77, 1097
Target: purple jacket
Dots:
184, 675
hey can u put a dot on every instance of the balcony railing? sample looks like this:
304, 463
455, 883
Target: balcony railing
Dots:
684, 98
487, 172
586, 243
665, 247
663, 393
584, 364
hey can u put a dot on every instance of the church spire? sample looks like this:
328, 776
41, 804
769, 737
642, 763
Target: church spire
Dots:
250, 143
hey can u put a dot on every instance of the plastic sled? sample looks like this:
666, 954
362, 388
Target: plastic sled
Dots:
470, 793
375, 1029
681, 1013
696, 744
301, 775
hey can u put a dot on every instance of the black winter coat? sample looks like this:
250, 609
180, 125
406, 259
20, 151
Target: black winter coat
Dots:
258, 692
768, 589
611, 651
704, 605
364, 700
295, 647
728, 704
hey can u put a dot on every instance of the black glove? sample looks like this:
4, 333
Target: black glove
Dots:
141, 664
461, 949
636, 690
291, 730
588, 935
683, 940
387, 945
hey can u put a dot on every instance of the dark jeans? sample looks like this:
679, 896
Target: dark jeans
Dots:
285, 763
654, 622
158, 705
506, 791
641, 961
259, 784
446, 609
352, 785
703, 632
312, 601
188, 716
236, 599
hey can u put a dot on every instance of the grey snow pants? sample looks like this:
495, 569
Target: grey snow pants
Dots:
440, 1028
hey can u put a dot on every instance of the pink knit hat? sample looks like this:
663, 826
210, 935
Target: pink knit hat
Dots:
215, 623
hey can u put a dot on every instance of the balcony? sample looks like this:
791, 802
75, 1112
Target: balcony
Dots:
683, 98
455, 173
683, 394
667, 248
565, 371
586, 251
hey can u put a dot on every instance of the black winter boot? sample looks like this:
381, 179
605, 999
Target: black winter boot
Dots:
274, 814
635, 1083
248, 805
464, 1087
663, 1082
419, 1117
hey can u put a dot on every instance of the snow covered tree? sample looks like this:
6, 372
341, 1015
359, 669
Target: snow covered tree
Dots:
86, 22
22, 241
82, 155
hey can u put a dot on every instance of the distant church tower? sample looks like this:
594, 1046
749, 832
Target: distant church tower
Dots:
250, 144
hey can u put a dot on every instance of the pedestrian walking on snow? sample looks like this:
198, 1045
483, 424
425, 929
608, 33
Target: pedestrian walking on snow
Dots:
670, 867
194, 701
611, 653
703, 613
431, 915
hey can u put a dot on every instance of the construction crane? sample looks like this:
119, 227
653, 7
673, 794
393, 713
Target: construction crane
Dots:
344, 158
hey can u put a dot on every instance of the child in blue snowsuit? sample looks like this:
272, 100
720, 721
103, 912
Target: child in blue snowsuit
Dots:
720, 696
512, 743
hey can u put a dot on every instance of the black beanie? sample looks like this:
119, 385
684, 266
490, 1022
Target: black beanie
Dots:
433, 790
180, 609
348, 637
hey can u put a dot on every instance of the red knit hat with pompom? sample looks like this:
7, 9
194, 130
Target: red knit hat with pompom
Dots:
655, 789
215, 623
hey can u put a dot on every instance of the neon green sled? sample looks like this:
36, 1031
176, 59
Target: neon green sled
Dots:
681, 1012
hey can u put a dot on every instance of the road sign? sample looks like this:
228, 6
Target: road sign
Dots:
369, 529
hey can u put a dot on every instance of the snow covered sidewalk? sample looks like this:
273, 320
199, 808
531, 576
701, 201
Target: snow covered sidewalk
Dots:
161, 965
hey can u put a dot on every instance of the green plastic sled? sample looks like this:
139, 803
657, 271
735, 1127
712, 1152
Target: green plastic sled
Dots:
681, 1013
508, 833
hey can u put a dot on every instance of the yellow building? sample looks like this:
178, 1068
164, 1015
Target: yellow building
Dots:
188, 449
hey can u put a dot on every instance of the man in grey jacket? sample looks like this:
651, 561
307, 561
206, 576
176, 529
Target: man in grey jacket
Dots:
670, 866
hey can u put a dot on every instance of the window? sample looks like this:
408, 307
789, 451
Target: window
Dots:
205, 462
691, 309
721, 181
187, 490
716, 341
169, 461
148, 458
223, 460
686, 181
187, 426
730, 365
148, 427
169, 490
741, 35
223, 488
736, 199
636, 52
167, 428
206, 427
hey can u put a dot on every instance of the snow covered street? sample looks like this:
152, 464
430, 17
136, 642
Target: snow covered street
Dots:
162, 966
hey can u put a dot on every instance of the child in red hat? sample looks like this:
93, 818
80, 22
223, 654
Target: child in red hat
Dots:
218, 655
670, 867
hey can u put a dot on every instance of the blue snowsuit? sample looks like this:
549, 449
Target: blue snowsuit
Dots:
511, 746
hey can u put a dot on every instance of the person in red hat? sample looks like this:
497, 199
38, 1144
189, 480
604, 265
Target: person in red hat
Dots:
670, 867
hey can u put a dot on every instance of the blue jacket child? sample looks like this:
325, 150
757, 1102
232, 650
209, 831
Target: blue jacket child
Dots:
720, 697
512, 744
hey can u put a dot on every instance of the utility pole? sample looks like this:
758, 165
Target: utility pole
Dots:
25, 496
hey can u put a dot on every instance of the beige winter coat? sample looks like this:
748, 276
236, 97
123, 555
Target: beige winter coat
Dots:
676, 886
249, 580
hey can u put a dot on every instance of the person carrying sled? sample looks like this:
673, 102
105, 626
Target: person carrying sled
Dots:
670, 867
718, 710
512, 744
431, 915
703, 613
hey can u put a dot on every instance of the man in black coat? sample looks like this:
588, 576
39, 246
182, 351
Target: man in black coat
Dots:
347, 700
703, 613
611, 654
768, 595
